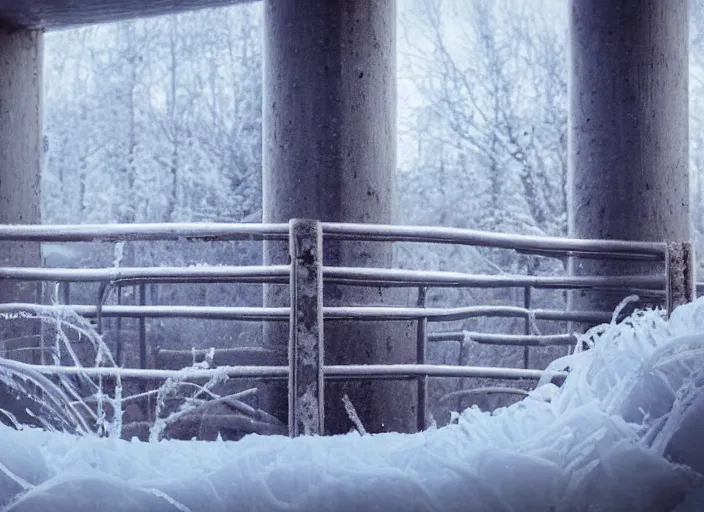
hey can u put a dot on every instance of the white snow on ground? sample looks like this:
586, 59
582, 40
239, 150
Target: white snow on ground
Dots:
601, 442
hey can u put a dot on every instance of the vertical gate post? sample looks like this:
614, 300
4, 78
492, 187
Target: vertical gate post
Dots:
679, 271
420, 359
146, 409
118, 329
143, 328
305, 349
527, 291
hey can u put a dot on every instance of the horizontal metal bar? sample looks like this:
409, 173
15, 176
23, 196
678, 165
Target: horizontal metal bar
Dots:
345, 378
367, 276
337, 275
201, 312
162, 231
234, 356
331, 313
217, 352
482, 391
433, 370
446, 336
504, 339
373, 232
279, 372
254, 274
615, 255
333, 371
460, 313
428, 234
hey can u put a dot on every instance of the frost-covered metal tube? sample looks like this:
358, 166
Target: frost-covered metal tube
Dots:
331, 230
432, 370
450, 314
526, 243
504, 339
209, 312
147, 231
402, 277
340, 275
331, 371
255, 274
482, 391
331, 313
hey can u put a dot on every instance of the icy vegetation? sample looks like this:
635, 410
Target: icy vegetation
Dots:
622, 433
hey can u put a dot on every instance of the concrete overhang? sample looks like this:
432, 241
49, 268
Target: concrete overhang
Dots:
57, 14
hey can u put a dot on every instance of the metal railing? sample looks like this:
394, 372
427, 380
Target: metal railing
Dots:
306, 369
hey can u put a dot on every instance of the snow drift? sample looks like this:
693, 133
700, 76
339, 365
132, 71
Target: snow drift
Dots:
622, 433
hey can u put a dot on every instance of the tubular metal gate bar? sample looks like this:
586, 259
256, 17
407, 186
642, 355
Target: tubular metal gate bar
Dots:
306, 370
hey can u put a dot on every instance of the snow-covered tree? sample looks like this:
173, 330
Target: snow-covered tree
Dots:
159, 120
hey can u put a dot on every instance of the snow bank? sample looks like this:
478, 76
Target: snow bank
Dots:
622, 433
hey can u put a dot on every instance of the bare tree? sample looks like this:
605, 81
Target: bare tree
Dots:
489, 79
493, 75
159, 119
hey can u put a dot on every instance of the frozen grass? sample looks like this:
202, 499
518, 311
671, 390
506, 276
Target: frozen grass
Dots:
600, 442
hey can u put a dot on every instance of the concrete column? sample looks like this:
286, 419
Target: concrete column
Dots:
330, 154
628, 127
21, 158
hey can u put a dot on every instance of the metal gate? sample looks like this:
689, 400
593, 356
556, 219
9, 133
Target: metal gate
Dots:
306, 369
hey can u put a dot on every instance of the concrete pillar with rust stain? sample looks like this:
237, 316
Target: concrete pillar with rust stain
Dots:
21, 158
628, 128
330, 154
